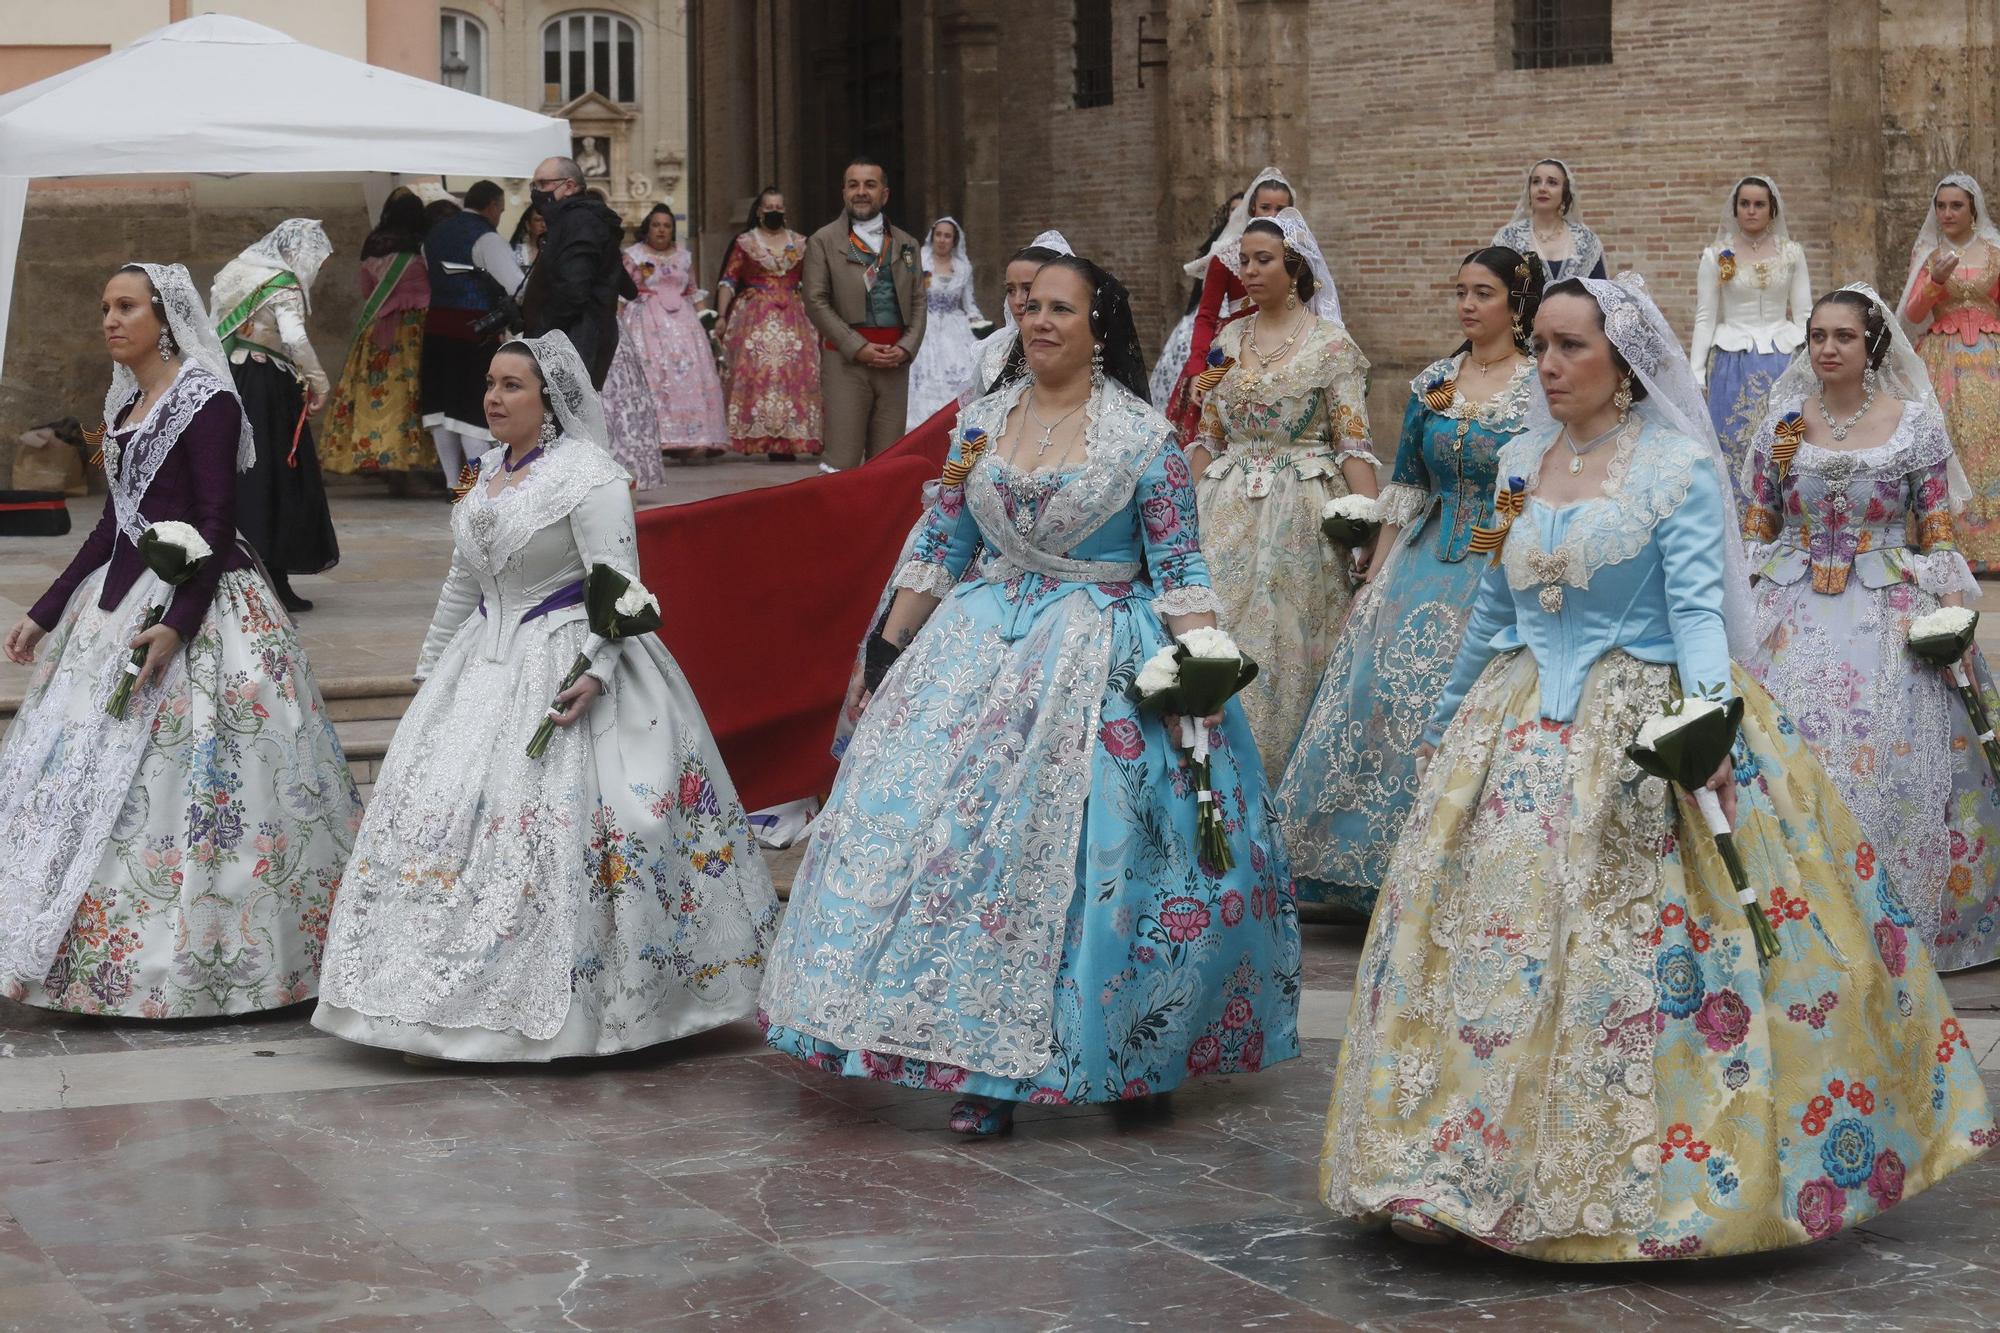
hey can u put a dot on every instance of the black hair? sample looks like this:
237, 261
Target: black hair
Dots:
1111, 326
1295, 264
1270, 183
1039, 254
863, 160
1216, 225
437, 210
159, 306
520, 348
1874, 327
1575, 287
522, 223
483, 195
1522, 276
1737, 194
1569, 195
400, 229
645, 223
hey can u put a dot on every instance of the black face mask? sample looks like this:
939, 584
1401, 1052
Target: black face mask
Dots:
774, 218
541, 199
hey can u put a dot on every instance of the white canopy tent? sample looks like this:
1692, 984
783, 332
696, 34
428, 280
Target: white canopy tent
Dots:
217, 95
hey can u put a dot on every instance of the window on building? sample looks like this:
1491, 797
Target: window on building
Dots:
1554, 34
590, 53
1091, 48
461, 52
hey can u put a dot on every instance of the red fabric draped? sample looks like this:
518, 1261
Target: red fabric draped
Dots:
767, 595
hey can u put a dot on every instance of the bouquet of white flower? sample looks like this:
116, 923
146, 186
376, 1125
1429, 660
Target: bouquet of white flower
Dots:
1350, 520
1192, 680
176, 552
618, 608
1942, 638
1685, 744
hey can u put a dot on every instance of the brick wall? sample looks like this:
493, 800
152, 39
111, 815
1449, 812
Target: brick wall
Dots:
1423, 133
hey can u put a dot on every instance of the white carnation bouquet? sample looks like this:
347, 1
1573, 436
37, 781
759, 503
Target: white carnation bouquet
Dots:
1685, 743
176, 552
1193, 679
1350, 520
618, 608
1942, 638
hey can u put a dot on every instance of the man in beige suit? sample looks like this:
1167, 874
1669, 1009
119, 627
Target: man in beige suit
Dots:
864, 291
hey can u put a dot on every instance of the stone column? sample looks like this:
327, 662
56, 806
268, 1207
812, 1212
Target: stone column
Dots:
969, 114
1854, 165
1939, 104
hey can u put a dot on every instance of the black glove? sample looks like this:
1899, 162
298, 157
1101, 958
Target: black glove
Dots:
876, 659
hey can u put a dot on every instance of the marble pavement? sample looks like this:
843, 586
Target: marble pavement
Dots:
256, 1174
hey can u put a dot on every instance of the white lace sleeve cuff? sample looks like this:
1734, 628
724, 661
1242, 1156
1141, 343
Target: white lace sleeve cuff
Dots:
1191, 600
1945, 572
1358, 449
1400, 504
924, 576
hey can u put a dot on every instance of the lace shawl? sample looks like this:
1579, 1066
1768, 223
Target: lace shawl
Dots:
1586, 251
489, 529
1648, 479
131, 464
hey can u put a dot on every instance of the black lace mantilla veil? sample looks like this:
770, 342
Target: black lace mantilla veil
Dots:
1111, 323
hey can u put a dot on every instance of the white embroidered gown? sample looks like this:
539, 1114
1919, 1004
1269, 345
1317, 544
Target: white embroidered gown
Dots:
602, 898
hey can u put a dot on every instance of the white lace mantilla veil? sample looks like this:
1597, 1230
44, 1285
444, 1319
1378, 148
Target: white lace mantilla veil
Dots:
579, 412
1901, 375
296, 245
187, 320
1930, 236
1239, 218
1519, 233
1726, 234
1048, 240
1300, 241
959, 256
1649, 345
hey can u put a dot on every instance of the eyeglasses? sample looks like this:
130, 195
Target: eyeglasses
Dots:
549, 184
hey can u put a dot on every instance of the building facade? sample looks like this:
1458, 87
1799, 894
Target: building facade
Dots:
1408, 129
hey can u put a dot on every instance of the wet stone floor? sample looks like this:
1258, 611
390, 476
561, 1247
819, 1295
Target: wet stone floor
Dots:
259, 1175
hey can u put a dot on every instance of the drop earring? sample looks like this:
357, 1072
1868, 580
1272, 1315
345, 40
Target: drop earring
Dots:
1097, 366
1292, 299
166, 345
549, 432
1622, 400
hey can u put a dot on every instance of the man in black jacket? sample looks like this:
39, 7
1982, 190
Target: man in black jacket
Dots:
578, 275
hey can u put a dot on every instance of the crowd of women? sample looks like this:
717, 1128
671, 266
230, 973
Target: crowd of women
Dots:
1598, 1015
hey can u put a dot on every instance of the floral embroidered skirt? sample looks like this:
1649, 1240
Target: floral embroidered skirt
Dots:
1967, 379
1897, 741
215, 873
1353, 776
773, 379
630, 416
376, 422
1738, 385
1005, 875
602, 898
1562, 1043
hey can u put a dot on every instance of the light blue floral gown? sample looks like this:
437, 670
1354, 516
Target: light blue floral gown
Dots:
1353, 775
1002, 897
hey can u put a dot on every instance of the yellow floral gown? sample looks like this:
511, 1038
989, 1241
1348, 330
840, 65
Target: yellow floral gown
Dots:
1961, 349
1279, 437
1562, 1042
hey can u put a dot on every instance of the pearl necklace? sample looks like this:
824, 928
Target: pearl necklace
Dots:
1840, 428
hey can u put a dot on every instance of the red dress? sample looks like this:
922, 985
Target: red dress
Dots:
772, 380
1216, 285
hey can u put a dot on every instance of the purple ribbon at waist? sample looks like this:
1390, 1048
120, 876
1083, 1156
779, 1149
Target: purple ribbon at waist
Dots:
570, 594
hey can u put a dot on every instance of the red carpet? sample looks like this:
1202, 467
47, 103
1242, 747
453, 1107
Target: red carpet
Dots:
783, 581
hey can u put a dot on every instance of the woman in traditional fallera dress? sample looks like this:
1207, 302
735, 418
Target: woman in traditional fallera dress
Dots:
1222, 295
1562, 1042
1853, 494
376, 423
1180, 339
1545, 224
259, 303
1284, 431
1002, 898
603, 897
947, 364
769, 348
1752, 294
1951, 305
178, 861
671, 345
1353, 775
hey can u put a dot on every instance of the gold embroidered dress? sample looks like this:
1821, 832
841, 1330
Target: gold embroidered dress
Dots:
1279, 436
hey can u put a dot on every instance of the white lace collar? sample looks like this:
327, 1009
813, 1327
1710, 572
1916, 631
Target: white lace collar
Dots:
134, 454
1504, 412
490, 529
